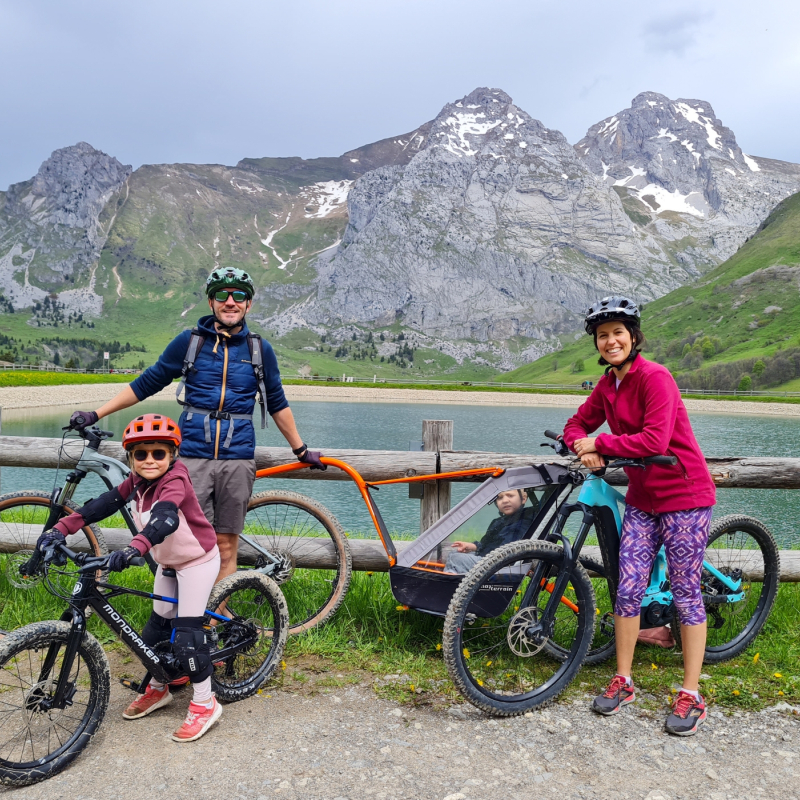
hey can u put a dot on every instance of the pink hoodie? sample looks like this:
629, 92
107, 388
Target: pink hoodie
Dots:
647, 418
192, 542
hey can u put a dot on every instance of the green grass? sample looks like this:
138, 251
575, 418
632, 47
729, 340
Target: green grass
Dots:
35, 378
373, 635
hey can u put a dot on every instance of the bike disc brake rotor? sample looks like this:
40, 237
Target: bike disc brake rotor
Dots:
518, 640
13, 562
281, 571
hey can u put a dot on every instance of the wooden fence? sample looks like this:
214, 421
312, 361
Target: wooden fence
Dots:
374, 465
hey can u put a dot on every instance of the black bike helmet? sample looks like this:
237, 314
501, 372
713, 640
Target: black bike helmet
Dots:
610, 309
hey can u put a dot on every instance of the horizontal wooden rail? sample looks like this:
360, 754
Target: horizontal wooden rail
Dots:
378, 465
368, 554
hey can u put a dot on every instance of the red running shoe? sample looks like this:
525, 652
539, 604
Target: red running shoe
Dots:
147, 703
198, 722
618, 694
686, 716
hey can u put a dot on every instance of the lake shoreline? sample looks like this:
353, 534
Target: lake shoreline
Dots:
21, 400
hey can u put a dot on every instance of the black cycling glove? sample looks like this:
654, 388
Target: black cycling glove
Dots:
80, 420
121, 559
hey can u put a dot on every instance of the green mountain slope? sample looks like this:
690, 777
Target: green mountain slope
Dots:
714, 332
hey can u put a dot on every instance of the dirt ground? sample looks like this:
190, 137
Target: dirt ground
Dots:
338, 742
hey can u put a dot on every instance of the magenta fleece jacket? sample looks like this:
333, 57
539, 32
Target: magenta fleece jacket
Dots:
647, 417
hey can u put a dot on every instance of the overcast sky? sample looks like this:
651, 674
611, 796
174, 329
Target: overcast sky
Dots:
154, 81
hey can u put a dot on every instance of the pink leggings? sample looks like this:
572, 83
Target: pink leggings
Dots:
192, 586
684, 535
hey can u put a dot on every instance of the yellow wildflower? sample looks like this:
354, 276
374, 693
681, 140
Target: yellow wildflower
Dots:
756, 657
401, 608
736, 692
653, 666
439, 646
777, 675
466, 653
488, 663
480, 682
283, 665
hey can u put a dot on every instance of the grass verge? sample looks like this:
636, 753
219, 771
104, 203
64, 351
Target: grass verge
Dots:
35, 378
401, 650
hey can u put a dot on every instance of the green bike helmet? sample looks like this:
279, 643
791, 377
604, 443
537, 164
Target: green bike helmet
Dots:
229, 278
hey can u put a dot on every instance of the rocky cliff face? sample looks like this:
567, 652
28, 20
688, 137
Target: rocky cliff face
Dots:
481, 233
50, 226
680, 172
498, 230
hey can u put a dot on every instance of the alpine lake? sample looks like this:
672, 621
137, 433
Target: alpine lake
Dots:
398, 426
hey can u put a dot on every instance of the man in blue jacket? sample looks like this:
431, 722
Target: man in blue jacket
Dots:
217, 364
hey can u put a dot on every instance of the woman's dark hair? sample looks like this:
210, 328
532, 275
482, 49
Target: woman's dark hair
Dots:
636, 336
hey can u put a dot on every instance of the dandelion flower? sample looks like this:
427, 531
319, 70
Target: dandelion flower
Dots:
777, 675
439, 646
488, 663
736, 692
466, 653
653, 666
283, 665
756, 657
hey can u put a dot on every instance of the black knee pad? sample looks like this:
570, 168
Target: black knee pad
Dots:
157, 629
192, 647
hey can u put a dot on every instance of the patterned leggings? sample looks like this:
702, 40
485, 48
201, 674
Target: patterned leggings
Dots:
684, 535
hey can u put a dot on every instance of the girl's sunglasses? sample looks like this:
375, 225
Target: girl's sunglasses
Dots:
158, 455
238, 296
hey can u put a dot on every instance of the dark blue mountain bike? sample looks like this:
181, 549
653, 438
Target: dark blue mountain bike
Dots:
507, 658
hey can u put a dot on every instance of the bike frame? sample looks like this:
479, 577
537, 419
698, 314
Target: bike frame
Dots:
88, 592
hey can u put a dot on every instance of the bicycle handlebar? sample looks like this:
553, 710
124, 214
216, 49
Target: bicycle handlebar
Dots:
39, 560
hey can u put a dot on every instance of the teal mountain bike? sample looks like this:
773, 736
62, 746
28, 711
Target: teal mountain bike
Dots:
511, 656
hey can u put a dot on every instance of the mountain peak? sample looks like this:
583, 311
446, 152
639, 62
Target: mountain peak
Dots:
484, 96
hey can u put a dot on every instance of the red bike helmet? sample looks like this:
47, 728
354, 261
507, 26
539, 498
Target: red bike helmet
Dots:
151, 428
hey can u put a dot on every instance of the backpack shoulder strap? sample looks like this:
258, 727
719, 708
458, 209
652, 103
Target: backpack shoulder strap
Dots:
196, 341
254, 340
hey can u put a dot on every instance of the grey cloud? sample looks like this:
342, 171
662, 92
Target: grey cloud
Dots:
675, 33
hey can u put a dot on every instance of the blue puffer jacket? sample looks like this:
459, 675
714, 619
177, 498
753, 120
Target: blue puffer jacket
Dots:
223, 373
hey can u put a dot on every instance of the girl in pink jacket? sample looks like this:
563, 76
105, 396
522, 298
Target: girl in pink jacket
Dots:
180, 538
666, 505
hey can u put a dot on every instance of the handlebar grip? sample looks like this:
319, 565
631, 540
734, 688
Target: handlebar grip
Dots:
665, 460
137, 561
79, 420
552, 435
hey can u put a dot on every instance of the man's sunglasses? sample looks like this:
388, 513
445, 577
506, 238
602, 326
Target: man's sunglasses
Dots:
158, 455
238, 296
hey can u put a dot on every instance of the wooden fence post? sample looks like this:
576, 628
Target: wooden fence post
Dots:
437, 435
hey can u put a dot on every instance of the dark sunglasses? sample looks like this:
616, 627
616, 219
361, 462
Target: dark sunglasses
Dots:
158, 455
238, 296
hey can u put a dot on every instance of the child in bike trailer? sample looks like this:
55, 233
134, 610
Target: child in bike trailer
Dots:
666, 505
183, 542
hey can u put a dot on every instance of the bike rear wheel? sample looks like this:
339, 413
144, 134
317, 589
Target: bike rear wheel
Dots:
488, 653
259, 617
301, 532
740, 547
23, 516
36, 743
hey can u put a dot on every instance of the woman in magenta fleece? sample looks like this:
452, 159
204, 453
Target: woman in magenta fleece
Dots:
666, 505
175, 530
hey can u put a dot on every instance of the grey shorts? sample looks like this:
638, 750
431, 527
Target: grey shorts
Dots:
223, 487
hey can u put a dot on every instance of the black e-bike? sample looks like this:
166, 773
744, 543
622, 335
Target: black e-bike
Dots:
55, 678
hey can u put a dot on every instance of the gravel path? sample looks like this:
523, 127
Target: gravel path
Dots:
23, 399
345, 743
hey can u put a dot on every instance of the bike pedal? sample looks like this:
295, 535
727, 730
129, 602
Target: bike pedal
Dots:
134, 686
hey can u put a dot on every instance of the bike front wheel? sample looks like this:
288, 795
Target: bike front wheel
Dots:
314, 558
23, 516
38, 738
741, 548
258, 622
489, 652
